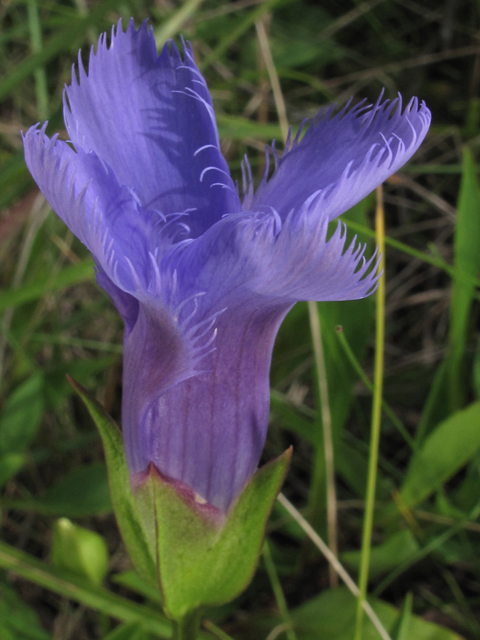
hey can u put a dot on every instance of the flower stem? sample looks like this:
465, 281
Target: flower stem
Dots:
187, 628
376, 418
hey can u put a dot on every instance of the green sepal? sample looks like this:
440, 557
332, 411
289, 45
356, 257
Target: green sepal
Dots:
139, 544
207, 557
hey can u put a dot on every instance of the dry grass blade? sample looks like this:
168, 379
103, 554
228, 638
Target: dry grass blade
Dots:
331, 558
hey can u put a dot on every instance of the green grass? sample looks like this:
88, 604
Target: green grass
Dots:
424, 510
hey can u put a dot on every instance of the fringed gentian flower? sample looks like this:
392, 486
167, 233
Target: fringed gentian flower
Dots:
202, 277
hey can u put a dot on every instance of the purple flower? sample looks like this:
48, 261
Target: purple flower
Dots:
202, 278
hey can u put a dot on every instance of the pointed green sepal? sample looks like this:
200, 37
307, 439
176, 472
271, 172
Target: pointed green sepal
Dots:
207, 557
139, 544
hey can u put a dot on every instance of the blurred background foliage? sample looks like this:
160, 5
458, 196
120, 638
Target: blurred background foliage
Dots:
63, 570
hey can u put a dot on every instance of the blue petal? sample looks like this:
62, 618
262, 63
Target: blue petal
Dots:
345, 156
287, 262
84, 192
151, 119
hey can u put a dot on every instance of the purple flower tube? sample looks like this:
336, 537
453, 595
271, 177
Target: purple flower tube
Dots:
202, 277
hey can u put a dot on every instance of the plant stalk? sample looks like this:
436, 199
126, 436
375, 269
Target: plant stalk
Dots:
187, 628
376, 419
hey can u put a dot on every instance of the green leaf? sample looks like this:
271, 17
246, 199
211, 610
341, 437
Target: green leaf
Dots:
79, 550
136, 538
465, 497
81, 272
400, 547
56, 384
332, 614
436, 405
232, 35
352, 464
467, 262
448, 389
206, 557
21, 415
402, 627
173, 24
72, 586
68, 38
476, 372
19, 422
83, 492
17, 620
136, 583
130, 631
290, 417
10, 464
443, 453
356, 319
14, 179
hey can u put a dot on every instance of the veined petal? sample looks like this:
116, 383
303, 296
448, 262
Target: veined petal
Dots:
280, 262
158, 354
301, 264
151, 119
84, 192
205, 425
345, 156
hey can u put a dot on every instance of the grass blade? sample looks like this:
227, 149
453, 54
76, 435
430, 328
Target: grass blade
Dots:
376, 420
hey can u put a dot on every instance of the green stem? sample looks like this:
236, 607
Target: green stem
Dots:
187, 628
376, 419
